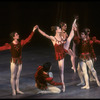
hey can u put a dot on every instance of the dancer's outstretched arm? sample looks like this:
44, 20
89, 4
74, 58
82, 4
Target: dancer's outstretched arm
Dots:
23, 42
44, 34
5, 47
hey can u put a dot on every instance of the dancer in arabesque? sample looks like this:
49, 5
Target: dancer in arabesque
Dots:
60, 47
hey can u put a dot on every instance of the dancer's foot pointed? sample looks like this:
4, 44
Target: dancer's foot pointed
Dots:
20, 92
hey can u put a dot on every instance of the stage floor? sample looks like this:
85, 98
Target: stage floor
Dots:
32, 58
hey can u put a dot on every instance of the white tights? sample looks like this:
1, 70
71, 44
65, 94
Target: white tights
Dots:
84, 65
51, 89
15, 74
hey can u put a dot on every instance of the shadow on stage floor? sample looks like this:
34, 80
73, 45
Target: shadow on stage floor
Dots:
32, 58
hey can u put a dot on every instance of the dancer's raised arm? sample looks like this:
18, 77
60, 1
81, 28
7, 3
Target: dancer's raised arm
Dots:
5, 47
23, 42
44, 34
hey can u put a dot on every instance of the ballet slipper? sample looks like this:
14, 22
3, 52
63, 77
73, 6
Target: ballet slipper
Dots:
20, 92
92, 79
98, 83
80, 84
85, 87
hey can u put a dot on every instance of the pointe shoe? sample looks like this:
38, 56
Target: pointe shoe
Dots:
20, 92
14, 93
80, 84
63, 88
85, 87
73, 69
98, 83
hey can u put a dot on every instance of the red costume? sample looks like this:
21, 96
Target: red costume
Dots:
43, 78
16, 49
86, 50
59, 51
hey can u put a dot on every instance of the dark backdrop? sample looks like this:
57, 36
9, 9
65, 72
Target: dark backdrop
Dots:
21, 16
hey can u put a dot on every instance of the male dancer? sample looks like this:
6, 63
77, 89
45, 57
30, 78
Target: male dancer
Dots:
15, 48
42, 78
80, 73
86, 53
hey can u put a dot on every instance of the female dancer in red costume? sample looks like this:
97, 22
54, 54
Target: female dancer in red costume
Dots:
16, 58
64, 36
60, 47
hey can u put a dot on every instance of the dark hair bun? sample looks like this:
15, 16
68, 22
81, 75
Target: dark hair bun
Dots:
53, 28
46, 66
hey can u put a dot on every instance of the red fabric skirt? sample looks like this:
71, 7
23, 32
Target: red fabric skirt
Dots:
85, 56
16, 60
60, 52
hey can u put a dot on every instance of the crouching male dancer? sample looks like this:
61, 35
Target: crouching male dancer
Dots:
44, 80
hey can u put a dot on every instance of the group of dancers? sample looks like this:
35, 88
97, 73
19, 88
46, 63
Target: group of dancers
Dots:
61, 42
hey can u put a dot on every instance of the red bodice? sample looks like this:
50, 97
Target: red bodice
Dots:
85, 48
16, 49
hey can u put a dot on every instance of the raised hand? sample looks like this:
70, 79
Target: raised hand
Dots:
35, 27
77, 17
